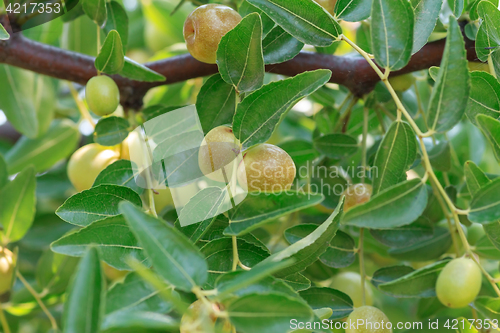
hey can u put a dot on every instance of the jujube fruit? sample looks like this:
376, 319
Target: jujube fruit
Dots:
7, 267
350, 283
102, 95
218, 152
402, 82
266, 168
459, 283
87, 162
199, 319
205, 27
357, 194
373, 321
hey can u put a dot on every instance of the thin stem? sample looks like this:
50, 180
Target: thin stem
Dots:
345, 116
152, 207
80, 105
236, 257
38, 300
362, 264
3, 320
98, 45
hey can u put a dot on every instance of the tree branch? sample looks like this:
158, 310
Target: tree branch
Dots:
353, 72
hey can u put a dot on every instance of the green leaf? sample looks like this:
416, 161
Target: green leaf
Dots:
305, 20
260, 112
488, 307
425, 250
451, 91
111, 236
117, 20
17, 206
336, 145
96, 204
353, 10
395, 156
300, 151
491, 129
492, 230
419, 283
4, 35
307, 250
440, 156
84, 305
392, 33
119, 173
111, 131
426, 16
457, 7
484, 96
318, 298
268, 313
110, 59
58, 143
465, 326
54, 271
396, 206
279, 46
474, 177
404, 236
485, 204
216, 103
96, 10
267, 24
297, 281
136, 321
203, 206
197, 231
488, 36
258, 209
135, 71
239, 55
173, 256
4, 174
485, 247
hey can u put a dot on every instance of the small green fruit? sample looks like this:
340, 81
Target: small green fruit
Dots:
458, 283
7, 267
350, 283
102, 95
402, 82
367, 319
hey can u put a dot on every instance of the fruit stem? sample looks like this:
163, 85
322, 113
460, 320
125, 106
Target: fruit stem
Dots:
3, 320
362, 264
38, 300
344, 119
80, 105
98, 45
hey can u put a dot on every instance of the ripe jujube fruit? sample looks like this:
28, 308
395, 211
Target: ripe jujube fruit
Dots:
266, 168
357, 194
87, 162
102, 95
205, 27
7, 267
350, 283
217, 153
459, 283
367, 319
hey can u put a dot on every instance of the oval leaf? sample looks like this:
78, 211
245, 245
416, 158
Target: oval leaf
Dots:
110, 59
336, 145
279, 46
484, 97
491, 129
111, 131
485, 204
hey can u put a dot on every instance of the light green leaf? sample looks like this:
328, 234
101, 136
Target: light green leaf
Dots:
239, 55
117, 20
488, 36
485, 204
54, 271
474, 177
396, 206
353, 10
173, 256
137, 321
484, 96
305, 20
84, 305
488, 307
4, 35
4, 173
110, 59
426, 16
119, 173
395, 156
111, 236
492, 230
279, 46
392, 33
457, 7
486, 248
17, 206
491, 129
58, 143
111, 131
96, 10
451, 91
135, 71
260, 112
336, 145
96, 204
216, 103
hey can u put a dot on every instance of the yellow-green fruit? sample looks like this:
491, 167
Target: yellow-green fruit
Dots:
350, 283
205, 27
266, 168
162, 198
478, 66
474, 233
367, 319
218, 153
102, 95
458, 283
357, 194
112, 273
329, 5
402, 82
200, 319
87, 162
7, 267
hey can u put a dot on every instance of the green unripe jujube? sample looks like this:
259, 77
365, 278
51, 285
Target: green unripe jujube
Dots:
350, 283
7, 267
102, 95
367, 319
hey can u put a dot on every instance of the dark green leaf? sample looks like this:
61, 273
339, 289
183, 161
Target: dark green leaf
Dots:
117, 20
96, 10
96, 204
426, 16
491, 129
396, 206
85, 302
267, 24
216, 103
111, 131
300, 151
279, 46
4, 174
492, 230
488, 36
173, 256
260, 112
135, 321
395, 156
317, 298
451, 91
138, 72
484, 96
418, 231
297, 281
353, 10
425, 250
392, 33
474, 177
110, 59
197, 231
119, 173
239, 55
305, 20
485, 204
336, 145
